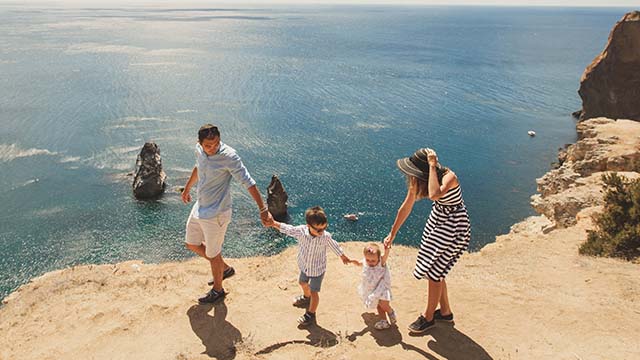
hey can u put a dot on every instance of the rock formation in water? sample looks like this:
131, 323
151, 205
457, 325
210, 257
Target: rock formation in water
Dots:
150, 179
277, 200
610, 85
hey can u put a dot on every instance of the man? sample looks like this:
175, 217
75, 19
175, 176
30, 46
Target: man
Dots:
216, 164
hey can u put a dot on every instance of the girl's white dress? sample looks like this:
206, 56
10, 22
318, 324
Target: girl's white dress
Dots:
376, 284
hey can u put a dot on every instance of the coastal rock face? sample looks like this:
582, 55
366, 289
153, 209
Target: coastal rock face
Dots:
610, 85
277, 199
150, 179
603, 145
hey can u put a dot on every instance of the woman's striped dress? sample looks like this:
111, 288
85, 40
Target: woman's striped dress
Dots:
445, 237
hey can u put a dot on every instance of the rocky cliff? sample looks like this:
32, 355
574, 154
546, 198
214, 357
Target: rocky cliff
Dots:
603, 145
610, 85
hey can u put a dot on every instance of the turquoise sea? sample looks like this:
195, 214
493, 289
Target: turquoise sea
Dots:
327, 97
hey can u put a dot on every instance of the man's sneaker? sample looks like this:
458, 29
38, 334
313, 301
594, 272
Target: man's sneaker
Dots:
212, 297
301, 301
227, 273
439, 317
392, 317
421, 325
307, 319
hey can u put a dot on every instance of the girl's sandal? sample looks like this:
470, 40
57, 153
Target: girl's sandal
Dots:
381, 325
392, 317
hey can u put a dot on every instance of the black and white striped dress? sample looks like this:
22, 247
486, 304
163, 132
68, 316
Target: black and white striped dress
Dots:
445, 237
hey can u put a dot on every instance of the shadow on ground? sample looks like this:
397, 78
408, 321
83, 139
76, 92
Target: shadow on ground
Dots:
218, 336
446, 341
317, 337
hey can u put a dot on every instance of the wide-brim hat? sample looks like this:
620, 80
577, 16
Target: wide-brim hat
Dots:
415, 165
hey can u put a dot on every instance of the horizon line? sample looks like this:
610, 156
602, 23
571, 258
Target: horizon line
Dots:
455, 3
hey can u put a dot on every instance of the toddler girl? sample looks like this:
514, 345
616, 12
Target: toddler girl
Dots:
375, 288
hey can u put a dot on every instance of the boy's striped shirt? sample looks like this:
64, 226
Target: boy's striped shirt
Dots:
312, 256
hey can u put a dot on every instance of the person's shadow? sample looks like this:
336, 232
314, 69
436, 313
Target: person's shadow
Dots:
447, 341
218, 335
450, 343
387, 337
317, 337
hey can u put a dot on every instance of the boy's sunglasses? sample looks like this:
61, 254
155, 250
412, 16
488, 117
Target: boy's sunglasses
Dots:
319, 231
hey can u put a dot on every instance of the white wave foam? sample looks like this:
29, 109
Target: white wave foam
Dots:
373, 126
172, 52
48, 212
12, 152
133, 119
70, 159
154, 64
99, 48
180, 170
186, 111
104, 48
124, 150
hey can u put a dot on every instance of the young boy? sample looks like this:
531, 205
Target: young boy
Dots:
216, 164
312, 257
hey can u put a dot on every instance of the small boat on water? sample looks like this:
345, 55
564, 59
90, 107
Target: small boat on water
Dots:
531, 133
351, 217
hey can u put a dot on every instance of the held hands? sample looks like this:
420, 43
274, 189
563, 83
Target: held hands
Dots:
345, 259
266, 218
186, 195
432, 157
388, 240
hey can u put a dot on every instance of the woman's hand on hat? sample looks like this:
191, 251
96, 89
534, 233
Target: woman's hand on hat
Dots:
432, 157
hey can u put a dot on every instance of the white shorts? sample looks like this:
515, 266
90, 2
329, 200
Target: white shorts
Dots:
209, 232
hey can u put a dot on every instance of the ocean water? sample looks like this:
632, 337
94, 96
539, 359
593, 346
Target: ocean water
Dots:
327, 97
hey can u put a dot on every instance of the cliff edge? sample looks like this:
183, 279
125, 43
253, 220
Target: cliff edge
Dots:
529, 295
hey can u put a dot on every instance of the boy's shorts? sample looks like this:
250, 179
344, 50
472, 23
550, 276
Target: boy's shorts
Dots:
209, 232
315, 282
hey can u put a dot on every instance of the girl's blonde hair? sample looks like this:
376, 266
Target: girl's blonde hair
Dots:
372, 248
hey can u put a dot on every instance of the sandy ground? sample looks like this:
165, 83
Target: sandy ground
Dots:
527, 296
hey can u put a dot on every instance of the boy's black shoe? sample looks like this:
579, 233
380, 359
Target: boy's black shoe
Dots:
227, 273
307, 319
421, 325
439, 317
212, 297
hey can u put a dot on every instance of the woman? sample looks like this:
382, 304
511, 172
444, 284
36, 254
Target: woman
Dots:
446, 234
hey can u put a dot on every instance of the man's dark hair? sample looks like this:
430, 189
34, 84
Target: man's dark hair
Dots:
208, 131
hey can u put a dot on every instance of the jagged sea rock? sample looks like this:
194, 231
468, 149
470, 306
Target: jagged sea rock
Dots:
610, 85
149, 181
277, 199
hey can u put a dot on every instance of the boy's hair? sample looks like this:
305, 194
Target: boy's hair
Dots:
315, 216
208, 131
372, 248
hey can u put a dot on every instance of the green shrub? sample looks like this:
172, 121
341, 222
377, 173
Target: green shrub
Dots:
617, 232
